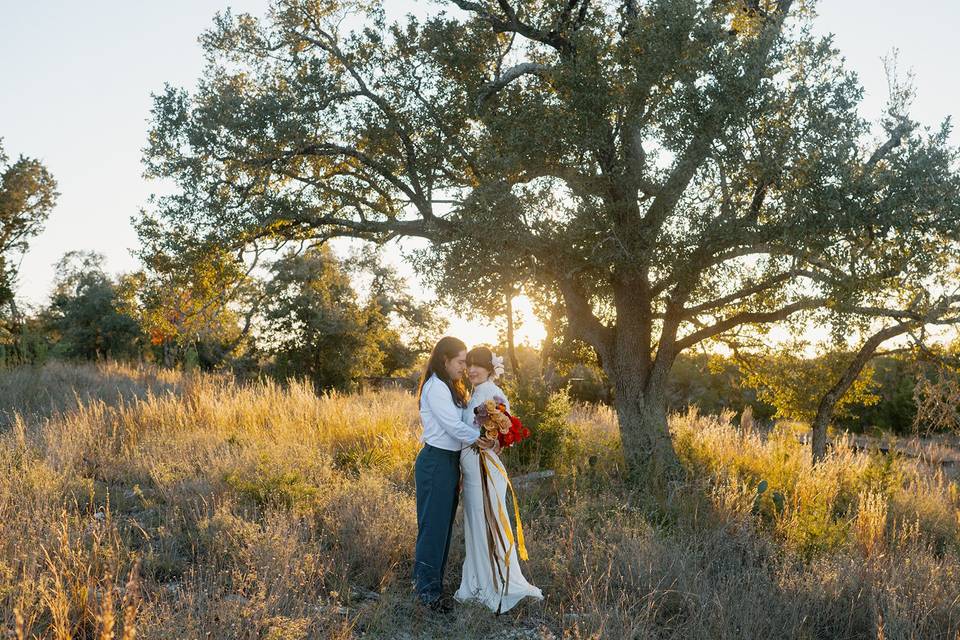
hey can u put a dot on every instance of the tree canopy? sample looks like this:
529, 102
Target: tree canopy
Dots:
315, 324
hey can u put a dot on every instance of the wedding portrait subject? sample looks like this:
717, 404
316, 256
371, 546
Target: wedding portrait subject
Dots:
479, 320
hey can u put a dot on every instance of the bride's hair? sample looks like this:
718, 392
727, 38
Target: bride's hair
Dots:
448, 347
481, 357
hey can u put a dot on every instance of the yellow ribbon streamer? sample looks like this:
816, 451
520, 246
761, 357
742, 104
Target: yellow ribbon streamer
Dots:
521, 543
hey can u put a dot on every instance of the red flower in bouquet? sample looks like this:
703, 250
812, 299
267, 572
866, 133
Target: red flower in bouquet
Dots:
496, 422
515, 434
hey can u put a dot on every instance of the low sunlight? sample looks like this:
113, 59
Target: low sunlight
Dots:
528, 329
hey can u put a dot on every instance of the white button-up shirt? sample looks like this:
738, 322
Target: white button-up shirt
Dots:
442, 424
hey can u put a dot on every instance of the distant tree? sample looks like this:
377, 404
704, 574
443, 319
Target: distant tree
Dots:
184, 304
25, 341
28, 193
888, 282
795, 384
314, 324
84, 314
668, 170
713, 382
845, 381
895, 378
408, 328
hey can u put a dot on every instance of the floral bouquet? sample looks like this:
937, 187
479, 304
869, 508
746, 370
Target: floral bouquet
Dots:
496, 422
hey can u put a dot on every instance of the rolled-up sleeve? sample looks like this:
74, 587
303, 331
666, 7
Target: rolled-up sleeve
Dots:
447, 414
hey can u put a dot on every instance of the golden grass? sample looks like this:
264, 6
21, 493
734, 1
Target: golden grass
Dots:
136, 501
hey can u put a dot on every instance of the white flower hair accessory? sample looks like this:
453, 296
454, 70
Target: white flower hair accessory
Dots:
497, 366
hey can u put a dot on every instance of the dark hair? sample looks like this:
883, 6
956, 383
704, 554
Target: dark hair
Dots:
481, 357
447, 348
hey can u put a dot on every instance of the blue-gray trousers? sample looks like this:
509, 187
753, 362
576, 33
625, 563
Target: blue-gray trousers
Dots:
437, 475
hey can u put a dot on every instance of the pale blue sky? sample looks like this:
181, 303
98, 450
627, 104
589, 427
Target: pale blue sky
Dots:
77, 76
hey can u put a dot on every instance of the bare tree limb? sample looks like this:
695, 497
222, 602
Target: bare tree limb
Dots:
512, 24
508, 76
755, 317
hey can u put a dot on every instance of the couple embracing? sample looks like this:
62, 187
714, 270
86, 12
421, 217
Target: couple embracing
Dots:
455, 450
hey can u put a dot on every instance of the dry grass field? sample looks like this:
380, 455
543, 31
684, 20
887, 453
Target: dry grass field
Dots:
140, 502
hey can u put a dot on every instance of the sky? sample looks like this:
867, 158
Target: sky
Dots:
77, 77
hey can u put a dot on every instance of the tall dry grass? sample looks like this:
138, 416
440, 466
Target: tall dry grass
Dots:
138, 501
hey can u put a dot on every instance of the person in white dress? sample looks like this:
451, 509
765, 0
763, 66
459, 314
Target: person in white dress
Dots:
494, 580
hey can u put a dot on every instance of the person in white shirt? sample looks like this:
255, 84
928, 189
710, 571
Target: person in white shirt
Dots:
442, 396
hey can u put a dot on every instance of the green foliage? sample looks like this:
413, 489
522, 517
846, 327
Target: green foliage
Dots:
85, 314
24, 342
883, 473
713, 383
359, 457
816, 529
272, 485
315, 325
408, 328
28, 193
545, 413
893, 381
795, 384
768, 505
182, 301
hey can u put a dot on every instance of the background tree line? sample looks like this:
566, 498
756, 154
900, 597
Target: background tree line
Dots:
301, 317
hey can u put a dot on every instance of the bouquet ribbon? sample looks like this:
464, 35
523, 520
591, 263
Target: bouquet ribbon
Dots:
486, 461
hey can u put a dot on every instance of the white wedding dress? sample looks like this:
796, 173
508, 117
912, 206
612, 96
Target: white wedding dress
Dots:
482, 581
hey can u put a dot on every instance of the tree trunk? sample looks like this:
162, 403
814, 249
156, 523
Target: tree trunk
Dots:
168, 354
547, 366
644, 434
818, 436
511, 349
828, 403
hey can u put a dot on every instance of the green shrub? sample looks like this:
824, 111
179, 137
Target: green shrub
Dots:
546, 414
271, 486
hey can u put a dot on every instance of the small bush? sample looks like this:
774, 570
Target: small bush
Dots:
546, 414
272, 485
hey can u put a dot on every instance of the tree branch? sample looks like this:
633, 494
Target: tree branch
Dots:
583, 323
754, 317
896, 138
759, 287
406, 140
712, 123
512, 24
508, 76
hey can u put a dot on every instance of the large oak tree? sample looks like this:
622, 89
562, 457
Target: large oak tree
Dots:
667, 170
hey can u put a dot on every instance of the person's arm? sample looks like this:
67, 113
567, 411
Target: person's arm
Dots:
440, 401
